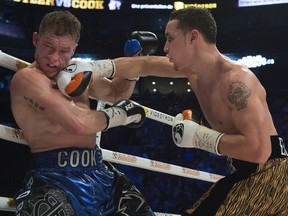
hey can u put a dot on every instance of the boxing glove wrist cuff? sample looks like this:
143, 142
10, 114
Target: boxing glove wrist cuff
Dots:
112, 120
103, 68
207, 139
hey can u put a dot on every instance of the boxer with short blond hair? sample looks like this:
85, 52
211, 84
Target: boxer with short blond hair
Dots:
68, 176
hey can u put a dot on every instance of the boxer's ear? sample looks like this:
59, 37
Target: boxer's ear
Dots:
35, 38
74, 48
194, 34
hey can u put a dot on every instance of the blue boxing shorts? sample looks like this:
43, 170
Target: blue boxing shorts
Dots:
76, 182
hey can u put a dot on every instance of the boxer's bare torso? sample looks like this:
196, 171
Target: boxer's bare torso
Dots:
231, 97
234, 103
219, 96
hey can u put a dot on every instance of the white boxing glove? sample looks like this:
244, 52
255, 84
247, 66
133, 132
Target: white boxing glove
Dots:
189, 134
75, 78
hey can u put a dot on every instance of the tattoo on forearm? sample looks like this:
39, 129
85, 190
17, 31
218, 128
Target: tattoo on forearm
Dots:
237, 94
34, 103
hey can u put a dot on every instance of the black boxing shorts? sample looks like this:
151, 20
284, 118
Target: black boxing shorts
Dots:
252, 189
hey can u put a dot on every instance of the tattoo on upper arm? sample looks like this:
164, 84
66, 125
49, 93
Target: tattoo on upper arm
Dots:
237, 94
34, 103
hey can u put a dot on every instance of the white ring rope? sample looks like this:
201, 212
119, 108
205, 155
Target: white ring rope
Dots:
7, 204
152, 114
11, 62
15, 135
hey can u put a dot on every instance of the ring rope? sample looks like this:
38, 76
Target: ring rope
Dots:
7, 204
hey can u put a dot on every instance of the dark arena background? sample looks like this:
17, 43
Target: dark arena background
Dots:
256, 35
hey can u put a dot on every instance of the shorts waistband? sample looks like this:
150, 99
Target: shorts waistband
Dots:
278, 148
72, 158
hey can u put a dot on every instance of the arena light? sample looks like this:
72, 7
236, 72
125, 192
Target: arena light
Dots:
251, 61
251, 3
114, 4
83, 59
255, 61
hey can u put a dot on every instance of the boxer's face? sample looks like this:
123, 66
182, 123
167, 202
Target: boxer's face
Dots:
177, 45
53, 52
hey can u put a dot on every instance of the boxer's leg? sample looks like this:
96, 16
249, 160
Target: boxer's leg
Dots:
42, 199
232, 196
127, 198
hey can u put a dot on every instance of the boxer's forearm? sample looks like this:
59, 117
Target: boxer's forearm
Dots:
142, 66
111, 91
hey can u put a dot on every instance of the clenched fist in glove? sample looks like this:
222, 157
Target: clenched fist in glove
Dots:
75, 78
124, 112
189, 134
